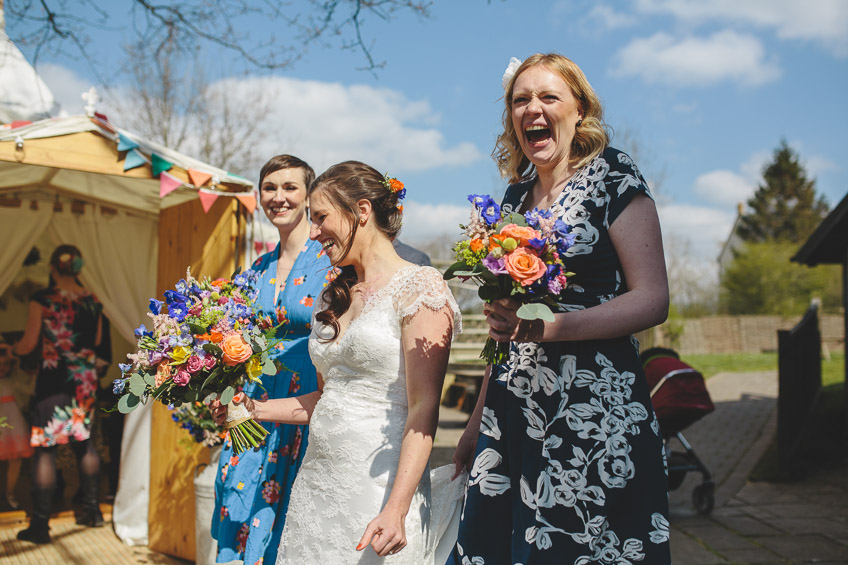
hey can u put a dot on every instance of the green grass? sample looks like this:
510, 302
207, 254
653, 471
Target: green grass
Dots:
833, 370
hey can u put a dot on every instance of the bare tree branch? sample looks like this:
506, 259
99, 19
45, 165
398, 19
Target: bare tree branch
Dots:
63, 26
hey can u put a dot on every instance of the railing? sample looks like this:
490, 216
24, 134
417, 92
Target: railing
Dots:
799, 385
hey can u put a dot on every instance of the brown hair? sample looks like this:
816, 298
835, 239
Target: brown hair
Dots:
67, 260
590, 138
280, 162
345, 184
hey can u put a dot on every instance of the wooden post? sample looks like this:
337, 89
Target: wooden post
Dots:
206, 242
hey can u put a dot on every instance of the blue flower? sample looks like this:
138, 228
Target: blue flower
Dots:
489, 209
142, 331
118, 386
538, 244
174, 296
182, 286
155, 306
240, 280
178, 311
401, 194
124, 367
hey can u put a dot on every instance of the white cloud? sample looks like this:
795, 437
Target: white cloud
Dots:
67, 87
609, 18
695, 61
723, 187
425, 222
705, 228
822, 21
325, 123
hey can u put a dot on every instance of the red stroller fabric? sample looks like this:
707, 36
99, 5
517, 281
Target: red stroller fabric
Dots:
678, 392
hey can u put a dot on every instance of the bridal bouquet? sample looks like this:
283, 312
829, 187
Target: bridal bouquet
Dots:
205, 343
513, 256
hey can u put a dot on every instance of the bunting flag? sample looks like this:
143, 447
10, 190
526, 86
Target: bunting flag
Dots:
270, 245
259, 246
198, 178
125, 143
248, 199
207, 199
168, 184
159, 164
133, 159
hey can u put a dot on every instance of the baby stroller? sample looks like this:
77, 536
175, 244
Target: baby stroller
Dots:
680, 399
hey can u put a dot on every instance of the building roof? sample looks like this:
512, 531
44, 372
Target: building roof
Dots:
829, 243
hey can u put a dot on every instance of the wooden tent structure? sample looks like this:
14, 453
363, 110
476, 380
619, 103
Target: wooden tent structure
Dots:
72, 176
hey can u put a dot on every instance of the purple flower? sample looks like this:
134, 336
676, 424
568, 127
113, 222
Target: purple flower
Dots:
496, 266
489, 209
154, 356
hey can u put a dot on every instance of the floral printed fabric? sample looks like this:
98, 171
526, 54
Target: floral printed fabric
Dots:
252, 489
569, 466
67, 381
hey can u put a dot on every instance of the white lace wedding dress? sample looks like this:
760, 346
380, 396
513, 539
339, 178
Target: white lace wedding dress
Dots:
355, 438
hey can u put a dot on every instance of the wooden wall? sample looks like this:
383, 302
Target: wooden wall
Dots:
207, 243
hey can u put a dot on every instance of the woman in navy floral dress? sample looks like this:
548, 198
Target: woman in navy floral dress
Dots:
65, 320
564, 451
252, 489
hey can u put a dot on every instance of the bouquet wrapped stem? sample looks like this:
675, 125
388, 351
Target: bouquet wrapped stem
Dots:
495, 352
245, 432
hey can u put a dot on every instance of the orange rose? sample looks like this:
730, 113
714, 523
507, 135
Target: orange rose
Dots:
476, 244
236, 350
524, 267
495, 241
521, 234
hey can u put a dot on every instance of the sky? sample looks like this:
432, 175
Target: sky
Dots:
704, 89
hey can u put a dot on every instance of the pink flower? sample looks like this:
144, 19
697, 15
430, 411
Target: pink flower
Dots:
524, 267
182, 377
194, 364
209, 362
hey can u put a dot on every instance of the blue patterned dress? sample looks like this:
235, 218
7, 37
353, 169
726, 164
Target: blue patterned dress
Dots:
252, 489
569, 467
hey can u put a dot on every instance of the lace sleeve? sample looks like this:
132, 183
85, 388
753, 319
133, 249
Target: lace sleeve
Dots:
425, 287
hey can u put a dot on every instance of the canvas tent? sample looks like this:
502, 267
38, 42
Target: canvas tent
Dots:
140, 213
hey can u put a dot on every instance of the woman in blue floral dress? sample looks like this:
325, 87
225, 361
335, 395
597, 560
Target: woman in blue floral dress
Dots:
564, 451
65, 320
252, 489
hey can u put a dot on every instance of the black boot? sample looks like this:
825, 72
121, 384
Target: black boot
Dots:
90, 488
39, 531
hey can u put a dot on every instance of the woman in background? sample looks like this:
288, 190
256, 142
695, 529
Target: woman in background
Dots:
14, 433
252, 489
65, 319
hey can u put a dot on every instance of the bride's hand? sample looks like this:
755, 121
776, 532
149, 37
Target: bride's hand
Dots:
219, 411
386, 533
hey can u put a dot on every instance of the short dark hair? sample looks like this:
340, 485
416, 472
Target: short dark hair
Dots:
280, 162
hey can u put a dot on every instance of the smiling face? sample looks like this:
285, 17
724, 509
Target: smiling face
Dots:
331, 227
544, 114
282, 196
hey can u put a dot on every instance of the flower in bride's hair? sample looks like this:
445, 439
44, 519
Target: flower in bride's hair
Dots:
510, 71
395, 186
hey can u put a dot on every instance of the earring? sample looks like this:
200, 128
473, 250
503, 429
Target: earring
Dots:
579, 122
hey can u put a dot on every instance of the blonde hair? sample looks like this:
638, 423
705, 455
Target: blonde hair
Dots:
590, 138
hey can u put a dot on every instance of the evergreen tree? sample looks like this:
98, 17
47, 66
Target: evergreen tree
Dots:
785, 206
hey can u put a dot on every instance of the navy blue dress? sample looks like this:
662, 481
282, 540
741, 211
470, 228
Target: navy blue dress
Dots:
569, 467
252, 489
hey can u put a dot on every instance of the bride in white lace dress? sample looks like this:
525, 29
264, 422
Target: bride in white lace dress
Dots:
380, 343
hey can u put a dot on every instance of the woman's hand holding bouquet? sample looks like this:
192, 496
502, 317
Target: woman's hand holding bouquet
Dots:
513, 256
206, 342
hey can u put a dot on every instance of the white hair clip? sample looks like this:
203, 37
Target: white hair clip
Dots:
510, 71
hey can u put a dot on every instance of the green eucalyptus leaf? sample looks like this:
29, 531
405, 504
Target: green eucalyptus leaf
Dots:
269, 367
127, 403
453, 270
196, 329
137, 384
212, 348
513, 218
227, 395
535, 312
149, 379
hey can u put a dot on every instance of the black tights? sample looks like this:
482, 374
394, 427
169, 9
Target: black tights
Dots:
44, 463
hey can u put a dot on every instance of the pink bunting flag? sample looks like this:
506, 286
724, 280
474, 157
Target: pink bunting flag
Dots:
207, 200
248, 200
168, 184
259, 246
198, 178
270, 245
